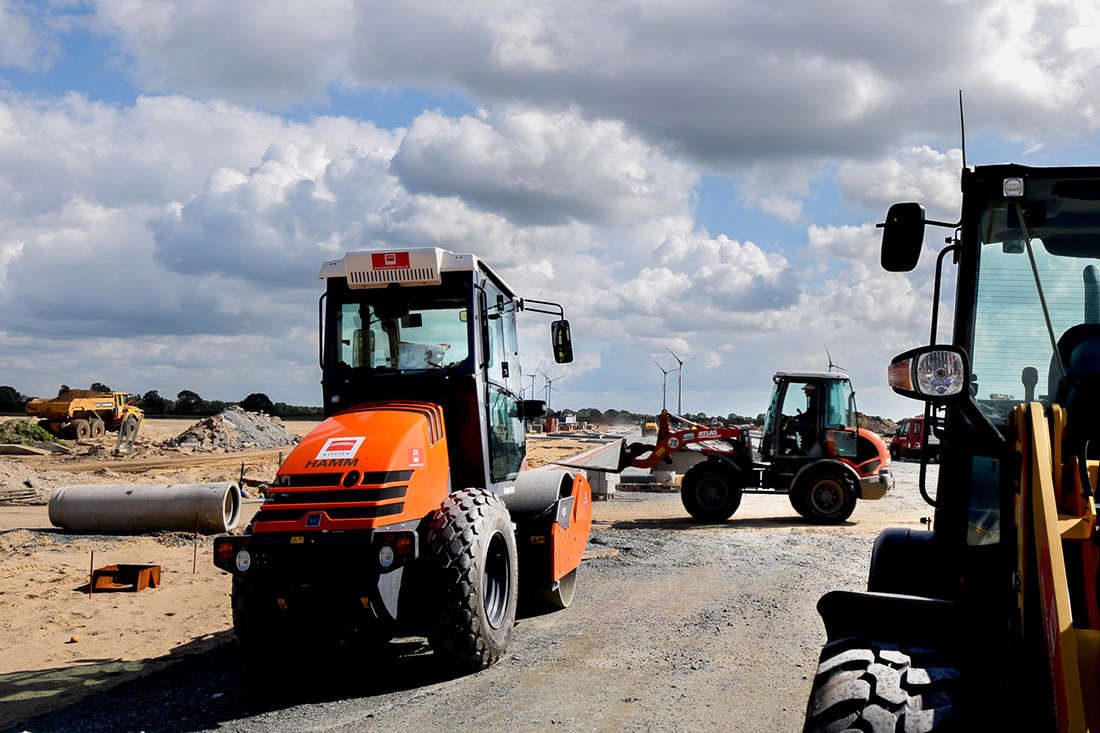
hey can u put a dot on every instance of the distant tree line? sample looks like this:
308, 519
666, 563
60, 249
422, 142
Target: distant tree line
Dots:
187, 403
625, 417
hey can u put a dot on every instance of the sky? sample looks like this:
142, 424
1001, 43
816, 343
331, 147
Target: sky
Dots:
697, 177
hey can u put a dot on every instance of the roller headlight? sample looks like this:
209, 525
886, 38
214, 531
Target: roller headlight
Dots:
244, 561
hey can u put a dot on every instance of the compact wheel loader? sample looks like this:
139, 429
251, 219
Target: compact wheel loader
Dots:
408, 510
990, 620
812, 449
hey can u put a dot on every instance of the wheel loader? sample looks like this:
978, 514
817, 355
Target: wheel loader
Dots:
812, 449
989, 620
408, 510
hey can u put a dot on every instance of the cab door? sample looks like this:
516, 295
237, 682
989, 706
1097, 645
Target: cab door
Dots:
507, 446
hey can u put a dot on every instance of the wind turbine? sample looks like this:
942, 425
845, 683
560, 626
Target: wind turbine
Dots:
679, 380
534, 376
550, 387
664, 381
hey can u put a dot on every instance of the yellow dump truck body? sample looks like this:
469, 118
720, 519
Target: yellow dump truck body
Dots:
85, 413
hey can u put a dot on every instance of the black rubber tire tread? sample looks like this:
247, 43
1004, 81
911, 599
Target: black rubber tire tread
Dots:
878, 688
471, 524
98, 428
895, 453
798, 501
254, 627
702, 477
807, 484
81, 429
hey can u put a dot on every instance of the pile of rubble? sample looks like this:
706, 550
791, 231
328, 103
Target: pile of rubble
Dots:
234, 429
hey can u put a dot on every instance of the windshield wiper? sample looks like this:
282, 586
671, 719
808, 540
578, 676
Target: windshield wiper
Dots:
1039, 288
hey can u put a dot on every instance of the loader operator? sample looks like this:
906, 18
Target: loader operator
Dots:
801, 428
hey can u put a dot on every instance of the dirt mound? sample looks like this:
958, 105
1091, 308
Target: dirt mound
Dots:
73, 394
876, 424
234, 429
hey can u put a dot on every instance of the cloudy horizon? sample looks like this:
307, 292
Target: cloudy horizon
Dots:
692, 176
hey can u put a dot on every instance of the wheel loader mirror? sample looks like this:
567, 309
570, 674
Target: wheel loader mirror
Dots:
413, 320
532, 409
562, 342
463, 316
902, 237
386, 311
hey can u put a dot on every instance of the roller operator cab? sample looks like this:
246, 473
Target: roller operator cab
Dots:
990, 619
409, 509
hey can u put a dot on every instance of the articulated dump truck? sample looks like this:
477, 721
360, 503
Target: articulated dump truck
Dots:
83, 414
408, 510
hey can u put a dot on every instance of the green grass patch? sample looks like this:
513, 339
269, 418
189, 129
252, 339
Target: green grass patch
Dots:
25, 432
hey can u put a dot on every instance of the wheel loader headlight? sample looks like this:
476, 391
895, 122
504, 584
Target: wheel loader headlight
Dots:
930, 372
1013, 188
385, 556
940, 373
244, 561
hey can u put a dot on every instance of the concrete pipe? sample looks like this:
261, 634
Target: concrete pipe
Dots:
136, 508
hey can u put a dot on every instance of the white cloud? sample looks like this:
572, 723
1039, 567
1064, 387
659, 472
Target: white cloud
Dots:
848, 243
23, 44
543, 168
247, 50
920, 174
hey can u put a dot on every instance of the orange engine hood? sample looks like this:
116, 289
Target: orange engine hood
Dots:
373, 465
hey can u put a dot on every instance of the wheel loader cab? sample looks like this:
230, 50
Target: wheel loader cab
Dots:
431, 326
811, 415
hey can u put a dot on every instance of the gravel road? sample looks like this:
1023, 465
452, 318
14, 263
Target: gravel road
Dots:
675, 626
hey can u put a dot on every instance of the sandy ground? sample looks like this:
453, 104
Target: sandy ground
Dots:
62, 644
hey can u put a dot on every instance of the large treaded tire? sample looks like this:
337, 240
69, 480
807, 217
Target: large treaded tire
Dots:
473, 581
82, 429
254, 626
98, 428
866, 686
828, 495
709, 493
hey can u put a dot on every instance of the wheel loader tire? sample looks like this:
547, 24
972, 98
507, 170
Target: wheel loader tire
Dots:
828, 494
474, 579
82, 429
798, 501
98, 428
709, 493
561, 596
866, 686
895, 453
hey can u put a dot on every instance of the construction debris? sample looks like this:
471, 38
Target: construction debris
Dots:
234, 429
13, 449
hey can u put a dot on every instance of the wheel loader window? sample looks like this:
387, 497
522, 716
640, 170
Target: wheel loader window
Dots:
1040, 271
798, 418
